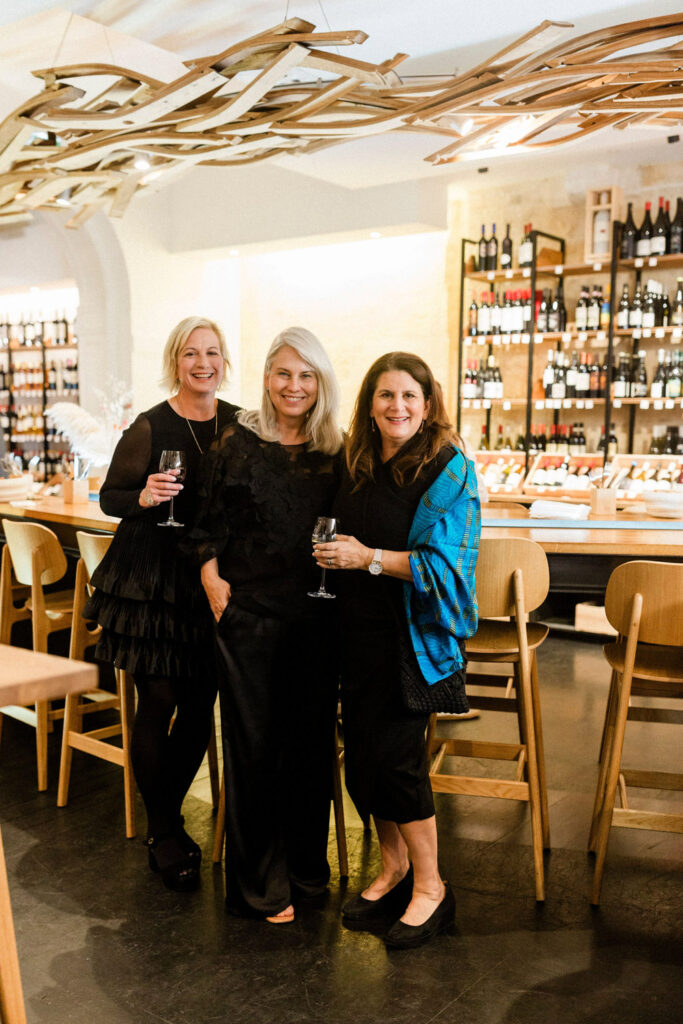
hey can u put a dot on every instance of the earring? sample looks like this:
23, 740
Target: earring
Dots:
372, 421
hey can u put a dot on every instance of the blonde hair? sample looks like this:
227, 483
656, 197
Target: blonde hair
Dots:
174, 346
322, 426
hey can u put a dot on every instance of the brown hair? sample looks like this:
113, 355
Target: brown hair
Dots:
364, 445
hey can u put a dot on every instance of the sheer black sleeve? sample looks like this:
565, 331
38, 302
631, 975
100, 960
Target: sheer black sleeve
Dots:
128, 472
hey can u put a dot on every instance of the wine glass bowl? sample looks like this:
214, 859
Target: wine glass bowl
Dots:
172, 461
324, 531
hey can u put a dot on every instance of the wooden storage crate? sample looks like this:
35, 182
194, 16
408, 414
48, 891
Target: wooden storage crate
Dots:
595, 202
628, 492
513, 461
589, 460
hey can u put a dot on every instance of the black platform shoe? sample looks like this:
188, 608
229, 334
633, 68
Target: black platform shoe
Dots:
408, 936
167, 857
360, 914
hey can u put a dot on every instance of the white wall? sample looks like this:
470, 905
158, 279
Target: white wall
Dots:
361, 299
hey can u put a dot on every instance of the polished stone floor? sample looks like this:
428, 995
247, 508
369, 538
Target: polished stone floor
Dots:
102, 942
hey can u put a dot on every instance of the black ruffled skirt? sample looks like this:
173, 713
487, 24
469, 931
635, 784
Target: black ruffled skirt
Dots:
149, 601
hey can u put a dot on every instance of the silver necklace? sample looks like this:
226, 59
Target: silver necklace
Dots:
215, 431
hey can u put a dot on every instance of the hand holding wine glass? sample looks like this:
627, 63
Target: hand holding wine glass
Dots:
172, 462
324, 531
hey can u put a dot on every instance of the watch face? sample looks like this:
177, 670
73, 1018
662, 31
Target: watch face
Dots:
375, 568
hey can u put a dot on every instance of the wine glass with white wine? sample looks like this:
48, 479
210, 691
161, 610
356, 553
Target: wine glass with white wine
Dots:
324, 531
172, 461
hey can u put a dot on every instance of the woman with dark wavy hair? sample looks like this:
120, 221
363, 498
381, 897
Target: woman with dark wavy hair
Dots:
409, 509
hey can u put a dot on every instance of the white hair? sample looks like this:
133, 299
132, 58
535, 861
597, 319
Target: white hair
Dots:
322, 426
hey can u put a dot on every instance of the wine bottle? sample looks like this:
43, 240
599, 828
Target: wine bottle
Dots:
492, 250
658, 239
677, 308
542, 315
667, 224
676, 233
472, 317
635, 313
612, 443
645, 233
639, 387
593, 314
648, 318
548, 375
581, 314
484, 443
495, 312
659, 379
483, 249
506, 251
622, 311
629, 236
526, 249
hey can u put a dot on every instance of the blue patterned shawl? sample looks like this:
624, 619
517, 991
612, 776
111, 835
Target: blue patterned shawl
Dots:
441, 602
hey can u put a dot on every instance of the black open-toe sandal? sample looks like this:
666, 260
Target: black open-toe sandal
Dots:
167, 857
188, 845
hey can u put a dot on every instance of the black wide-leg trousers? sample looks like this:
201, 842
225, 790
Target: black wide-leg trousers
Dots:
278, 683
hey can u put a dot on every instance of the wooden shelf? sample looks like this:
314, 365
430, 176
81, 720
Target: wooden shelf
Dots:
650, 262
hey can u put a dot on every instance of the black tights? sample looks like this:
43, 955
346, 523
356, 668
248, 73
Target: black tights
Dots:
165, 763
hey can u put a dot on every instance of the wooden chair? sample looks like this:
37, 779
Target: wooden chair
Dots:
512, 580
11, 592
337, 804
92, 548
644, 602
37, 560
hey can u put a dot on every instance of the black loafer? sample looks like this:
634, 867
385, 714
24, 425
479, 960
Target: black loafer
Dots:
359, 913
408, 936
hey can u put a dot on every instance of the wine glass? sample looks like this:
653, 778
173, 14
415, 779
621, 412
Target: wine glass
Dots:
325, 530
172, 460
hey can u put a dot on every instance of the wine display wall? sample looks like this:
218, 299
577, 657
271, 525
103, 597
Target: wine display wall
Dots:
38, 367
545, 344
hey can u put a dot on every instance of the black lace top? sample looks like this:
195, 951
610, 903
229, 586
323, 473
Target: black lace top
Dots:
258, 504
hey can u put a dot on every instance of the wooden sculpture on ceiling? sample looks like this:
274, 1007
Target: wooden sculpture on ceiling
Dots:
96, 133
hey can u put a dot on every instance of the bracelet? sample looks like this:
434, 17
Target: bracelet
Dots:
146, 496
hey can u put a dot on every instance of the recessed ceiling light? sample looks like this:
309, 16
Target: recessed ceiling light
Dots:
142, 164
234, 252
375, 234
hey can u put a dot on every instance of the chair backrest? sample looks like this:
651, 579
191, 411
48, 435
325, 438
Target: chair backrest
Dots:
661, 587
498, 559
93, 547
25, 538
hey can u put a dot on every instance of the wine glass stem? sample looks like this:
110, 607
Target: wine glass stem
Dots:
170, 514
322, 581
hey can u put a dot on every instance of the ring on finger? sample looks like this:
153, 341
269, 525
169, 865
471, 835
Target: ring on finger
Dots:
329, 561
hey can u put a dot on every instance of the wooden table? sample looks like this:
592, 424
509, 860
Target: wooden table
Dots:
25, 677
582, 560
662, 541
63, 518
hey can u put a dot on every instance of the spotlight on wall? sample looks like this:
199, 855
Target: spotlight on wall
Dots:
142, 163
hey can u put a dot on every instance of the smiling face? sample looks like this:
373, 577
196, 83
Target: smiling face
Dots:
292, 385
398, 409
200, 363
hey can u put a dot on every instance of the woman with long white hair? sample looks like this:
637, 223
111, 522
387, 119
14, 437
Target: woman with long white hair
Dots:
267, 479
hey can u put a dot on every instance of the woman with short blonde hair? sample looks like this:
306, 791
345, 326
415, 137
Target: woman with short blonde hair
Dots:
148, 598
175, 344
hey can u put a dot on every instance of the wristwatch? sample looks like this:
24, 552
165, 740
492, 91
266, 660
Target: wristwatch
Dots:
375, 567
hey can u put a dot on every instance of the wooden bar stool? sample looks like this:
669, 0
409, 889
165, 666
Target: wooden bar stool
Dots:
92, 547
644, 602
337, 805
512, 580
37, 560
